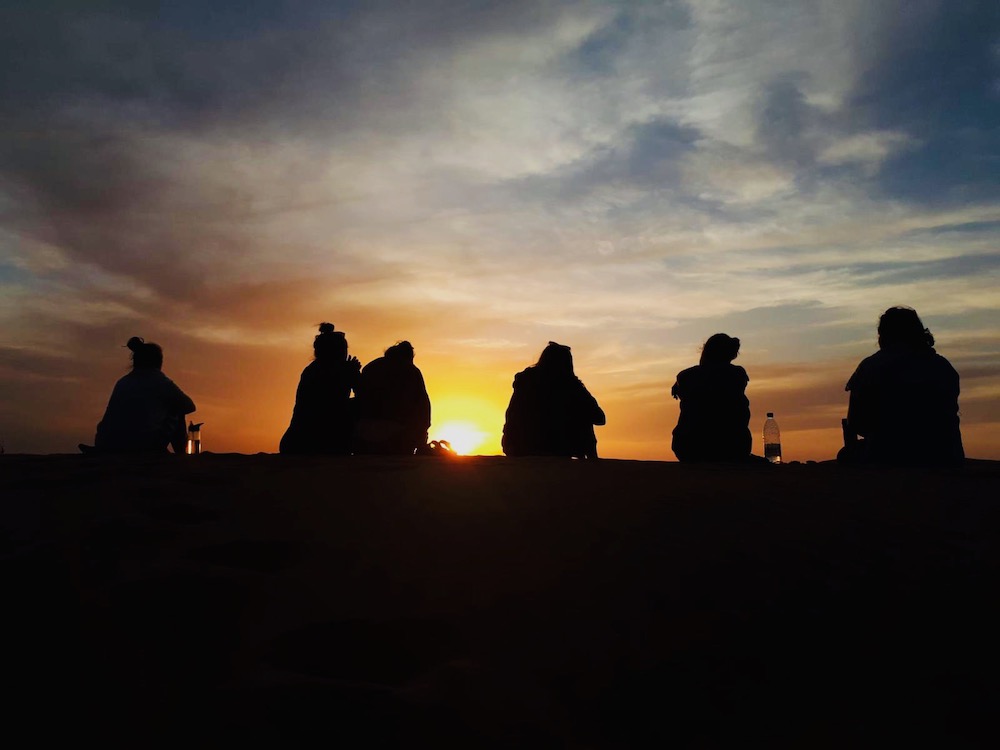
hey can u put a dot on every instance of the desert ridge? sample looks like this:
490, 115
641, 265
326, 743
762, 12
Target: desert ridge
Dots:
499, 602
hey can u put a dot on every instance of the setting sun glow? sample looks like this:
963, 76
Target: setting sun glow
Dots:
464, 437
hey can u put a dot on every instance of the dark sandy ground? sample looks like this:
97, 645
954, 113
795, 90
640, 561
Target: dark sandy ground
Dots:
230, 600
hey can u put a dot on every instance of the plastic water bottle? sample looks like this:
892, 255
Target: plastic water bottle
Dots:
772, 439
194, 438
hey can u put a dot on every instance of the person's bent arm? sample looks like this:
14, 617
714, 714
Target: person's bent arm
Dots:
859, 411
594, 409
423, 401
179, 401
600, 418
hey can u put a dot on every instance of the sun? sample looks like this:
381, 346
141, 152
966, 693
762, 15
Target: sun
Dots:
464, 437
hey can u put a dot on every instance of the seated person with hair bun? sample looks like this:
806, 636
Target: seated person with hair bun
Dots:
323, 417
146, 411
715, 412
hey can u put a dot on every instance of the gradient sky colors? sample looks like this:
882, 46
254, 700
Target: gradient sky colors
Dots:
482, 177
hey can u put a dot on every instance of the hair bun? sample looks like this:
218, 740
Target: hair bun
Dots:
135, 343
326, 327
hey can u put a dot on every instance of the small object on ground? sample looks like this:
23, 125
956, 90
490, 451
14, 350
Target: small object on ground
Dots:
440, 448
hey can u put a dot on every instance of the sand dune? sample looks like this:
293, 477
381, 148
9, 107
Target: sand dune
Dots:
485, 602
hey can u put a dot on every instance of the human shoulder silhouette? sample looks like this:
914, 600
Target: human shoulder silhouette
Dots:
551, 412
323, 416
146, 411
394, 410
904, 398
714, 410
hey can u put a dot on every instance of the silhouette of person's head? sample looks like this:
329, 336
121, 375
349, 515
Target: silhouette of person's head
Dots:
329, 344
145, 355
401, 351
901, 328
556, 359
720, 349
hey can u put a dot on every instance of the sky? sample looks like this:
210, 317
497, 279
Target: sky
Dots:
479, 178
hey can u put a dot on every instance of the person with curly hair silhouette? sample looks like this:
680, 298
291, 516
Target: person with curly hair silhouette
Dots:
904, 398
394, 410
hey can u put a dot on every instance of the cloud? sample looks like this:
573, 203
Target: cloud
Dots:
932, 74
869, 149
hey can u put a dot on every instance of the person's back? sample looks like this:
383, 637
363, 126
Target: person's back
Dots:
146, 410
714, 409
904, 398
551, 412
323, 416
394, 411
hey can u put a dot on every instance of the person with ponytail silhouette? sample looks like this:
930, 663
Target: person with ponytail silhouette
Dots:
904, 399
323, 417
551, 412
146, 411
715, 412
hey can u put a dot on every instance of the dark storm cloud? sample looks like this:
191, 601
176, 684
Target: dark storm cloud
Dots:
879, 274
787, 124
90, 95
647, 157
189, 62
95, 193
600, 53
929, 72
199, 63
935, 75
794, 134
37, 365
965, 229
90, 98
85, 88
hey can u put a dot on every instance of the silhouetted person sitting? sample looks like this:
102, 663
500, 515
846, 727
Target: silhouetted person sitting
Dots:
323, 417
715, 411
551, 412
146, 411
394, 411
904, 398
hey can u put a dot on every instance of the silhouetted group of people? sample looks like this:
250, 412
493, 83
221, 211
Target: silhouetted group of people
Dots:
389, 414
551, 412
903, 404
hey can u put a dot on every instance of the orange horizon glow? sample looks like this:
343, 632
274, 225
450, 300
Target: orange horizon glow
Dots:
468, 404
464, 437
469, 398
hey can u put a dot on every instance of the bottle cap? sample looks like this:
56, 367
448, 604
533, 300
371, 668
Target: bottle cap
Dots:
770, 415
